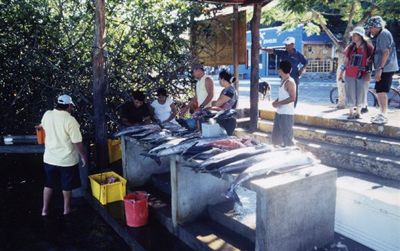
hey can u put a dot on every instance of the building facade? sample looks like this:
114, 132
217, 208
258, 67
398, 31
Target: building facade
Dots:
318, 49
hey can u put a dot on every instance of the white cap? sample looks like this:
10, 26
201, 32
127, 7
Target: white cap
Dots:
65, 100
289, 40
360, 31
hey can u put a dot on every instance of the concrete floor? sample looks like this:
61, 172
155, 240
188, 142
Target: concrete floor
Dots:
22, 227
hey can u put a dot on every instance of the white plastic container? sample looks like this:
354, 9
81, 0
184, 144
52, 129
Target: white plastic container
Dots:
212, 130
368, 213
8, 140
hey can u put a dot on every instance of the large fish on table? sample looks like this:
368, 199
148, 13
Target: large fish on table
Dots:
205, 155
176, 146
240, 165
232, 156
168, 144
171, 126
282, 161
136, 129
156, 135
228, 144
184, 146
142, 134
177, 149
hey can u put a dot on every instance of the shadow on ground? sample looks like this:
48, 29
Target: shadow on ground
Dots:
22, 227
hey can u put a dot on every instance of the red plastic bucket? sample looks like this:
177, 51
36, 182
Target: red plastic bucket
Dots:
136, 209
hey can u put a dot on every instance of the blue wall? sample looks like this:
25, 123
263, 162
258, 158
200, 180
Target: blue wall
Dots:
272, 38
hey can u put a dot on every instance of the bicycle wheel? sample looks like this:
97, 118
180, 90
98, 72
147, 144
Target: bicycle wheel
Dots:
393, 98
334, 96
371, 99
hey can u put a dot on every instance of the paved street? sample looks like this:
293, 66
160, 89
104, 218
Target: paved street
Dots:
310, 92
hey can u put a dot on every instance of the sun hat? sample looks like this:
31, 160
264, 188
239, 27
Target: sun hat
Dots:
375, 21
65, 100
360, 31
289, 40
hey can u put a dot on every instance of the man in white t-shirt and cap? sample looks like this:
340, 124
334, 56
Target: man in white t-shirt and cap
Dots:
204, 89
63, 146
296, 59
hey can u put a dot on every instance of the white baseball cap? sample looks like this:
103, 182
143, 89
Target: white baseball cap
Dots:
65, 100
289, 40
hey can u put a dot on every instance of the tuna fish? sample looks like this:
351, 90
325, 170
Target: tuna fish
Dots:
136, 129
156, 135
170, 143
183, 146
282, 161
144, 133
177, 149
232, 156
206, 154
228, 144
171, 126
194, 150
240, 165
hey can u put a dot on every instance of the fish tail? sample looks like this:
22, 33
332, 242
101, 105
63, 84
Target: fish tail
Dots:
215, 172
153, 157
231, 194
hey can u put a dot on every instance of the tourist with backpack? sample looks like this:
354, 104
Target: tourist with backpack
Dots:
356, 72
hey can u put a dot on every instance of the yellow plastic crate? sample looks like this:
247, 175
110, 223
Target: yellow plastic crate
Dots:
108, 192
114, 150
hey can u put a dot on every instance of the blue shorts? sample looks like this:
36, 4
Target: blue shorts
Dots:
66, 178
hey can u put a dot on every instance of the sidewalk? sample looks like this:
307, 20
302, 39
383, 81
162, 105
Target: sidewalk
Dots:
330, 112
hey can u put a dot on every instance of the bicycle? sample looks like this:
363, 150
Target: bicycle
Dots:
394, 97
372, 100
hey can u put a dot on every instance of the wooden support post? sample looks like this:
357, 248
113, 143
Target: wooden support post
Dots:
99, 86
255, 65
174, 192
236, 45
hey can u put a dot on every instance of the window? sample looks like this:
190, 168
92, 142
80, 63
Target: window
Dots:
320, 65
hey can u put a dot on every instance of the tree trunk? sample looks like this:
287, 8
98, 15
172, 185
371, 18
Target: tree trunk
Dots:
99, 87
255, 65
339, 83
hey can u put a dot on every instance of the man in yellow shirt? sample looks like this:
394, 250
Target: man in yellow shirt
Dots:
63, 145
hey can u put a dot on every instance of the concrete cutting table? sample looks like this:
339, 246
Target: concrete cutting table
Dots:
295, 210
137, 169
21, 144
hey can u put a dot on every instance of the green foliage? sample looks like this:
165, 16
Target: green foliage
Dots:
46, 49
320, 13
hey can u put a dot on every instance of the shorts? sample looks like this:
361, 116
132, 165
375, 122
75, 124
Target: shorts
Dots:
66, 178
385, 83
